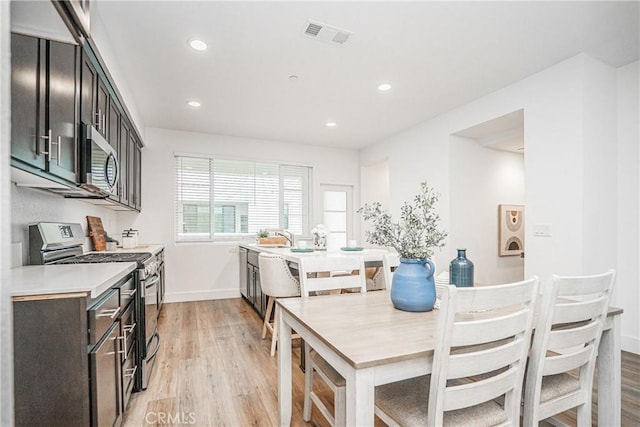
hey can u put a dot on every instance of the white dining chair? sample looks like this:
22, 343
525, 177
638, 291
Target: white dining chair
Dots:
572, 316
315, 276
482, 338
276, 281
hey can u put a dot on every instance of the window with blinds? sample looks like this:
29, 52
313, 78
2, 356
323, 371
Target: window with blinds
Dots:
217, 198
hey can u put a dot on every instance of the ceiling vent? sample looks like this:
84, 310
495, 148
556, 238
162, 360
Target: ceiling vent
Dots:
327, 33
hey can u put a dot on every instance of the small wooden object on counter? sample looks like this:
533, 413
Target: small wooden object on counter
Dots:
272, 241
96, 232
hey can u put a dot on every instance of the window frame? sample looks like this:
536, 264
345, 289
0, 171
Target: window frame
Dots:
212, 236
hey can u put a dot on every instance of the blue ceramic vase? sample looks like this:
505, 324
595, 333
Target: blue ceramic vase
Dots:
461, 270
413, 287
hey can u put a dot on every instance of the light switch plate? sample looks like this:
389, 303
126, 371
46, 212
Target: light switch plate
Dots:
542, 230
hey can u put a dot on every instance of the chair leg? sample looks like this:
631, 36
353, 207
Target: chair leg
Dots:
274, 334
267, 317
583, 414
340, 404
308, 384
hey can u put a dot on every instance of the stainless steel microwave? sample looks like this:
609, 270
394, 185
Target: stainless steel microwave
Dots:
99, 167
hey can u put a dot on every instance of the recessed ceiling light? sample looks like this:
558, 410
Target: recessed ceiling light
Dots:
331, 124
384, 87
194, 104
197, 44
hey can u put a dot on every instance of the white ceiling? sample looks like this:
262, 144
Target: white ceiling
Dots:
436, 55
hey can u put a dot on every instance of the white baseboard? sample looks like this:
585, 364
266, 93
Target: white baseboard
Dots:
201, 295
630, 344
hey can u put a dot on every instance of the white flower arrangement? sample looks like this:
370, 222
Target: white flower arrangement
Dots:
319, 237
319, 231
415, 234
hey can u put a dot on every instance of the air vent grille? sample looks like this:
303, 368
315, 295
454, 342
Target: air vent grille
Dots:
327, 33
313, 29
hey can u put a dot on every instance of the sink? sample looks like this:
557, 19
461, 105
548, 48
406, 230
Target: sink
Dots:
267, 245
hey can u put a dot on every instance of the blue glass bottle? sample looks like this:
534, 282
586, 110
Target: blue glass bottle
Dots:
461, 270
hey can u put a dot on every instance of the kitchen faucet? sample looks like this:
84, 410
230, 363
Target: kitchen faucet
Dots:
287, 235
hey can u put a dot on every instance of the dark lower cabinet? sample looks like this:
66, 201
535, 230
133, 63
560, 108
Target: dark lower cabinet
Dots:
44, 135
51, 367
75, 357
250, 282
106, 379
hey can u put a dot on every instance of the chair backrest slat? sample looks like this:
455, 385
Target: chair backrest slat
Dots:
565, 362
478, 362
315, 273
471, 394
490, 329
566, 338
568, 312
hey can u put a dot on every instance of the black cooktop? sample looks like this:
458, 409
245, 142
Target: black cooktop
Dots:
138, 257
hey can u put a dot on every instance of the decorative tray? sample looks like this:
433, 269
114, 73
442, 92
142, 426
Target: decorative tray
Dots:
301, 250
351, 249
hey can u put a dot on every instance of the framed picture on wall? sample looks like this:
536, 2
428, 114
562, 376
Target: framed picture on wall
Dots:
510, 230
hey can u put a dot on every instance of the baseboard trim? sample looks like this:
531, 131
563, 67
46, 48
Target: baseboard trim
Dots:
630, 344
201, 295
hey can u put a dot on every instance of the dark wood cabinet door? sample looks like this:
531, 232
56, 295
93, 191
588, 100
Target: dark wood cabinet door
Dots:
62, 110
88, 84
137, 173
132, 169
102, 107
123, 152
113, 128
27, 76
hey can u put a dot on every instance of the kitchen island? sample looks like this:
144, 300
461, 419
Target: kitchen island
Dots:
250, 270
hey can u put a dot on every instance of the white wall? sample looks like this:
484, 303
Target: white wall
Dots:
570, 164
377, 190
6, 313
628, 212
30, 205
483, 178
210, 270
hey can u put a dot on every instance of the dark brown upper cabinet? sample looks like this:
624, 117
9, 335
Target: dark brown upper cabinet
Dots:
44, 105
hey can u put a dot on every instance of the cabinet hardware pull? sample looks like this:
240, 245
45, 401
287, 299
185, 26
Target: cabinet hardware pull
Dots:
129, 293
59, 149
111, 313
58, 143
129, 328
124, 344
48, 137
98, 121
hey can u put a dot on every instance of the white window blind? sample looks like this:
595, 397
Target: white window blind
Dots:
234, 198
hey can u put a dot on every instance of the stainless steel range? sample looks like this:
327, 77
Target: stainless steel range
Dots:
61, 243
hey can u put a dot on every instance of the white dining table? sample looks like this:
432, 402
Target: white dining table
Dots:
370, 343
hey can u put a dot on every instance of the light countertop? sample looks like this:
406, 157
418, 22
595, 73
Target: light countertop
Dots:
93, 279
367, 254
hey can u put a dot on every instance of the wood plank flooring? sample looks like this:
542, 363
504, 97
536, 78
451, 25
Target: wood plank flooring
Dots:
214, 370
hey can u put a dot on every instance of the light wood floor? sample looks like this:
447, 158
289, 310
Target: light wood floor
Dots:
214, 370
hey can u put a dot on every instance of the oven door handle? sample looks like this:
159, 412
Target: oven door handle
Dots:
155, 351
150, 283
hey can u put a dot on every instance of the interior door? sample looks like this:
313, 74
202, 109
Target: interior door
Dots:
337, 214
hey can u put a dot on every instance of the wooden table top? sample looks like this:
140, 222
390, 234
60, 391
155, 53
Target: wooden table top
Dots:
365, 329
